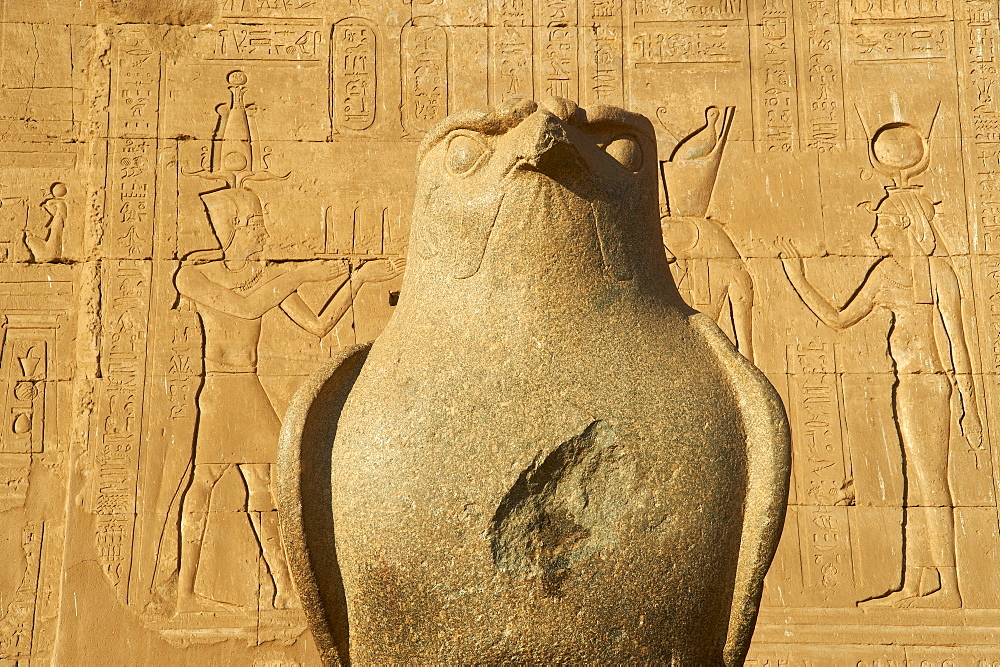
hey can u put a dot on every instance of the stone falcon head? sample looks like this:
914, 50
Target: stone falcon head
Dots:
544, 185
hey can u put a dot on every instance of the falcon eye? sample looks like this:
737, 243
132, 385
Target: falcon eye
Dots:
464, 153
626, 151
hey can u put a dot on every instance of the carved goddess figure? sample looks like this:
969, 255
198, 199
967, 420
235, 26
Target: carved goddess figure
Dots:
914, 282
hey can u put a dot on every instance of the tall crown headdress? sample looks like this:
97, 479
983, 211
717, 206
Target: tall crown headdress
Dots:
690, 172
233, 135
900, 151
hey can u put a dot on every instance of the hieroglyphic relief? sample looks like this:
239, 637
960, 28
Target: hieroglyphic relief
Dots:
783, 113
32, 239
18, 617
354, 59
511, 56
46, 244
819, 77
773, 43
425, 74
266, 42
32, 460
602, 72
129, 230
41, 204
28, 459
556, 46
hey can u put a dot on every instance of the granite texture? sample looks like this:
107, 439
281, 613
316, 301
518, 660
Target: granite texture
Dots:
546, 457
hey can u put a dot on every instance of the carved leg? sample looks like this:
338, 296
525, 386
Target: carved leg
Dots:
924, 420
194, 515
260, 504
910, 589
925, 424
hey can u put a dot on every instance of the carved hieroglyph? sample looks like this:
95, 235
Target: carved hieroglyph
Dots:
860, 135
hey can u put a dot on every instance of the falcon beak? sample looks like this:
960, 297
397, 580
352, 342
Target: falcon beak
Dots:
551, 149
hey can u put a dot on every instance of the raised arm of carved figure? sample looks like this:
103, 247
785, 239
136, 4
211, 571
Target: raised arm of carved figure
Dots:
324, 322
857, 307
193, 283
949, 302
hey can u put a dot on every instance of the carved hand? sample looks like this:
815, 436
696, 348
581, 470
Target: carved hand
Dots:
380, 269
972, 430
790, 257
321, 269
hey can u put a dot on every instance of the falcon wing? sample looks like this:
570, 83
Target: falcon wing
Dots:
768, 469
303, 495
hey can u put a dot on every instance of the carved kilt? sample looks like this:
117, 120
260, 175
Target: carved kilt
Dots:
236, 422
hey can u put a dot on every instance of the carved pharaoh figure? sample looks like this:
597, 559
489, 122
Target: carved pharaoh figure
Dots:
232, 287
546, 457
915, 283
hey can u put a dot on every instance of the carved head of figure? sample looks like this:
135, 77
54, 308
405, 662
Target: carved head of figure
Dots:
903, 229
903, 223
537, 190
248, 240
236, 217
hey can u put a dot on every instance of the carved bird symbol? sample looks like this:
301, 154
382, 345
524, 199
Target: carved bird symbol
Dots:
702, 141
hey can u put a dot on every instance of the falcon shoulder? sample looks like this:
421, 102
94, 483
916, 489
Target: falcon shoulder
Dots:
768, 457
302, 480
